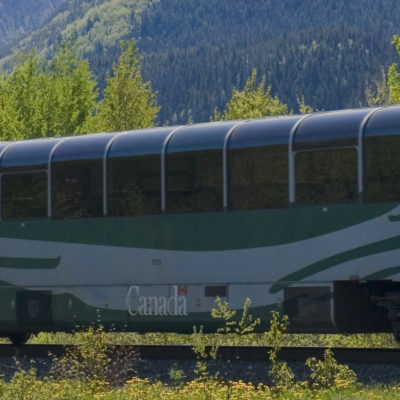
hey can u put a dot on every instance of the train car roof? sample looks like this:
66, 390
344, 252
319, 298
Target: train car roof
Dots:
81, 147
385, 121
330, 129
209, 136
32, 153
140, 142
264, 132
319, 130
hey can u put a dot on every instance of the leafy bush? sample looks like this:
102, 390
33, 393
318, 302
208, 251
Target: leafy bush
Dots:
328, 372
280, 373
244, 326
93, 359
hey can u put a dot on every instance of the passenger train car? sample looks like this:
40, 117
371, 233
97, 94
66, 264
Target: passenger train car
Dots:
143, 229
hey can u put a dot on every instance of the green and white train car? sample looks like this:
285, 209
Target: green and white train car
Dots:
143, 229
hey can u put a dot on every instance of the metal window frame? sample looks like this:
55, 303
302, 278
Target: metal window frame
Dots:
105, 170
361, 133
225, 169
292, 161
164, 166
359, 149
49, 169
1, 157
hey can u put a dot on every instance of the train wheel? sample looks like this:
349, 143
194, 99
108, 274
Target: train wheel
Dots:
20, 338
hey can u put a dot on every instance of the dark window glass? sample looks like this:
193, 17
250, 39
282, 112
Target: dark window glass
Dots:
214, 291
24, 195
77, 189
326, 176
194, 181
134, 185
382, 168
258, 177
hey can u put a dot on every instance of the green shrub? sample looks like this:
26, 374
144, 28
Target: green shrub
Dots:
280, 373
328, 372
176, 376
92, 359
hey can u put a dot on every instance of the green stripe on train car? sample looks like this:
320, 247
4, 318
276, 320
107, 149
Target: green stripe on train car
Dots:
200, 232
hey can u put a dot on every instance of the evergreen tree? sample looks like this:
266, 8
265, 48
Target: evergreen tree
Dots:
128, 102
252, 102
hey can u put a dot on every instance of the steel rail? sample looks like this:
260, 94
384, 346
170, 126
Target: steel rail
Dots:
225, 353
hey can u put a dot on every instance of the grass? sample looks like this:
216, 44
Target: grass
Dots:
381, 340
25, 385
89, 372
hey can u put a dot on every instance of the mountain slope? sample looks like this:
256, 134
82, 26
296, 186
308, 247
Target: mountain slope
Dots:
196, 51
18, 17
331, 67
92, 23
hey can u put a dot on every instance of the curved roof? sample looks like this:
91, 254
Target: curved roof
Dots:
141, 142
209, 136
82, 147
263, 132
384, 122
3, 146
28, 153
334, 128
326, 129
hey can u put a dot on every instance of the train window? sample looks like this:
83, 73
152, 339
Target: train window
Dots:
382, 168
194, 181
77, 189
326, 176
258, 177
134, 185
24, 195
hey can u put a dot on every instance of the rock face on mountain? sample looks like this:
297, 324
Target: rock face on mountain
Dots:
19, 17
196, 51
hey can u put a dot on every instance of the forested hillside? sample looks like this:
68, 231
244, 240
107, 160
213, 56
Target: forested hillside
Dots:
196, 51
18, 17
331, 67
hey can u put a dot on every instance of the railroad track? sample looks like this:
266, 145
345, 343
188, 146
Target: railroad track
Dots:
232, 353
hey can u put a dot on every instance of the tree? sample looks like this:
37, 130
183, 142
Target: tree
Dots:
70, 93
388, 89
379, 95
128, 102
18, 98
252, 102
393, 77
46, 99
303, 107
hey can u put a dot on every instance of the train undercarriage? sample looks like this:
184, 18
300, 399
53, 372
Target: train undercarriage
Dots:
352, 306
